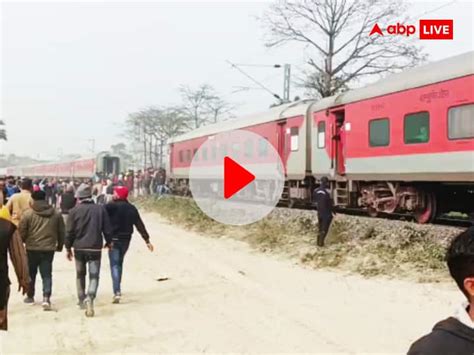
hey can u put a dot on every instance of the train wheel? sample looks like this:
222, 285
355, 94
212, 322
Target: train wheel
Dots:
291, 203
372, 212
428, 214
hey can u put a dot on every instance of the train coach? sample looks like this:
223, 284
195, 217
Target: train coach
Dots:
402, 145
86, 167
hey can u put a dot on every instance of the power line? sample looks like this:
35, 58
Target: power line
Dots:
254, 80
437, 8
258, 65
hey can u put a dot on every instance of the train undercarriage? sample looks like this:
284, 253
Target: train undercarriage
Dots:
423, 201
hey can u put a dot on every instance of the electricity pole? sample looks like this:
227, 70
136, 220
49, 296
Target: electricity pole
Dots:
286, 82
92, 141
286, 78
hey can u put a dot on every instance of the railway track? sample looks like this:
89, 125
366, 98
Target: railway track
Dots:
442, 221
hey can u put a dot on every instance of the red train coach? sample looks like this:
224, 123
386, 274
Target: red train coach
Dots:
80, 168
285, 127
402, 145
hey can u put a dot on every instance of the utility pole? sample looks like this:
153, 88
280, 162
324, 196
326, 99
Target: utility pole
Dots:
286, 78
92, 141
286, 82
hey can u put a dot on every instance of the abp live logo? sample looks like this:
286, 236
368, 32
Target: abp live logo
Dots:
429, 29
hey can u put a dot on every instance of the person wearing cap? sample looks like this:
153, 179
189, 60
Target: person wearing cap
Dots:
87, 226
324, 204
42, 230
10, 243
20, 202
68, 201
123, 216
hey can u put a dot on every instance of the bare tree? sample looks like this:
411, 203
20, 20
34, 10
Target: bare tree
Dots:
152, 127
203, 105
336, 32
219, 110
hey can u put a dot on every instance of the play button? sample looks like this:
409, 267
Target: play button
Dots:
236, 177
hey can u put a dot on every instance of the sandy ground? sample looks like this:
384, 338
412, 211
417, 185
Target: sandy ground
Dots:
223, 297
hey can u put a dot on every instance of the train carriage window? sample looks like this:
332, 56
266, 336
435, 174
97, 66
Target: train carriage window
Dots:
417, 127
379, 132
321, 134
223, 150
188, 155
294, 137
236, 149
181, 156
204, 153
248, 148
262, 147
461, 122
195, 155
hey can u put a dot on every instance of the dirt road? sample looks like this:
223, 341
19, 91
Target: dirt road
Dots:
222, 297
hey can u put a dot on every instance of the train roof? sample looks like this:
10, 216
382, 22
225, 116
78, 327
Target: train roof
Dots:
274, 114
435, 72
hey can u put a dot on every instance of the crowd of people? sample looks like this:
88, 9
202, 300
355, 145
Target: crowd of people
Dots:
39, 218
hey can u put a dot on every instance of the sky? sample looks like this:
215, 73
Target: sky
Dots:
71, 72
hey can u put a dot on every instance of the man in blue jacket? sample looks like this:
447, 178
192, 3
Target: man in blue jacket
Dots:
123, 216
323, 201
87, 225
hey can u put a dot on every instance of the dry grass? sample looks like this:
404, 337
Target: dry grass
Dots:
362, 245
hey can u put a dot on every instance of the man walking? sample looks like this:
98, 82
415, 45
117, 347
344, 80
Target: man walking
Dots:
123, 216
87, 225
20, 202
10, 243
324, 204
42, 230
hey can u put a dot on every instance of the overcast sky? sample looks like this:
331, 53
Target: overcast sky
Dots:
72, 72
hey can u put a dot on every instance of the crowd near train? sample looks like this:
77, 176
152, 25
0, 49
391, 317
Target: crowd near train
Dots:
404, 145
101, 172
40, 217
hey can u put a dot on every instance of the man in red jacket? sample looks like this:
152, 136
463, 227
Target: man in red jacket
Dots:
123, 217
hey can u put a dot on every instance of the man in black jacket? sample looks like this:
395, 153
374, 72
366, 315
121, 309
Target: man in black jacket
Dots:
323, 201
455, 335
123, 216
87, 224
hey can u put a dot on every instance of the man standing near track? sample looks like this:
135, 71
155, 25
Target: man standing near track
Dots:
324, 204
87, 225
123, 216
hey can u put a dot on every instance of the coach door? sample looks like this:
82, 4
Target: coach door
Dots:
338, 140
282, 141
